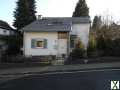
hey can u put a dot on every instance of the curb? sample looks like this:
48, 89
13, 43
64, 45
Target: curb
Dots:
54, 71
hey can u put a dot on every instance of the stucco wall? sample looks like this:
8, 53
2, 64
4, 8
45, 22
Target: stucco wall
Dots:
51, 42
82, 31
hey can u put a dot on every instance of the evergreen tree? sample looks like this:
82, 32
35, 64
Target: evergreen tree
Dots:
96, 22
24, 13
81, 9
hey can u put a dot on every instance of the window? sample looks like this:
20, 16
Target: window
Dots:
72, 40
4, 31
39, 43
62, 35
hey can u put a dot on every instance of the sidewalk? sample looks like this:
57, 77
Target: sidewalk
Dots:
25, 70
14, 73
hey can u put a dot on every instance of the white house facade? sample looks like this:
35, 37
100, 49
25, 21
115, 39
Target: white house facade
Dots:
82, 31
51, 36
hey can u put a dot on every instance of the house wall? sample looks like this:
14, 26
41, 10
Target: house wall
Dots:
51, 49
4, 32
82, 31
12, 32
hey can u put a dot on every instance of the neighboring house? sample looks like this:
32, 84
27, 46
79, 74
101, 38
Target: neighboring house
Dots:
5, 30
55, 36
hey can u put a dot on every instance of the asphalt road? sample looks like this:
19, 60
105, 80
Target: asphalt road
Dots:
85, 80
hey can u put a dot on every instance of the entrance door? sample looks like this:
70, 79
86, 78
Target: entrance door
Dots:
62, 46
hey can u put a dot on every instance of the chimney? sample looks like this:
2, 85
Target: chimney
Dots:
39, 17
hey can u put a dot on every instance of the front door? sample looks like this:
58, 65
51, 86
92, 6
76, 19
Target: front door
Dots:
62, 46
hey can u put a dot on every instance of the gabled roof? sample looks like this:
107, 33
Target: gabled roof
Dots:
55, 24
5, 25
80, 20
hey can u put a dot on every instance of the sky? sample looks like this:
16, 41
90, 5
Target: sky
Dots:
63, 8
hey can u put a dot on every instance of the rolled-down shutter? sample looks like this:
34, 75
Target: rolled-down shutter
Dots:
45, 43
33, 43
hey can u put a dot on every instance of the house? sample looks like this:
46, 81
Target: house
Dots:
54, 35
5, 30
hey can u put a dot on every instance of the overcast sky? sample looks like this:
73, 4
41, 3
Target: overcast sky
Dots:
63, 8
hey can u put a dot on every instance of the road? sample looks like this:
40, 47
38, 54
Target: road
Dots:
79, 80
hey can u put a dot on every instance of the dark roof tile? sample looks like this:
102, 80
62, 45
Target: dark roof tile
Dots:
55, 24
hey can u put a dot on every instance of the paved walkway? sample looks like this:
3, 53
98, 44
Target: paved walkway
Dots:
8, 74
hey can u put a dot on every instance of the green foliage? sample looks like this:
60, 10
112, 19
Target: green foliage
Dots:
101, 43
91, 49
104, 32
116, 47
24, 13
81, 9
13, 43
96, 22
79, 51
107, 38
79, 44
108, 47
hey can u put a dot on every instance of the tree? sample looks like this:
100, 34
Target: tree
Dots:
91, 48
24, 13
81, 9
96, 22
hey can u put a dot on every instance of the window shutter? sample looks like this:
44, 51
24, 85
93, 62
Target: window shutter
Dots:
45, 43
33, 43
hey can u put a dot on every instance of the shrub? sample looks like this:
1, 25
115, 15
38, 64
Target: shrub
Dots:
91, 49
108, 47
77, 54
115, 49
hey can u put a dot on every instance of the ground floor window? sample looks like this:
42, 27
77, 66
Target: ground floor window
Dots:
39, 43
72, 41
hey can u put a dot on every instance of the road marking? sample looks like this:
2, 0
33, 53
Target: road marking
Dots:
72, 72
62, 72
114, 85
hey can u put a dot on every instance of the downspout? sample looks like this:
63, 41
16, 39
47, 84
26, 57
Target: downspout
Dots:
23, 43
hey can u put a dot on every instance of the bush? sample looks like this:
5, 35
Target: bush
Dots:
115, 49
91, 49
108, 47
102, 45
77, 54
